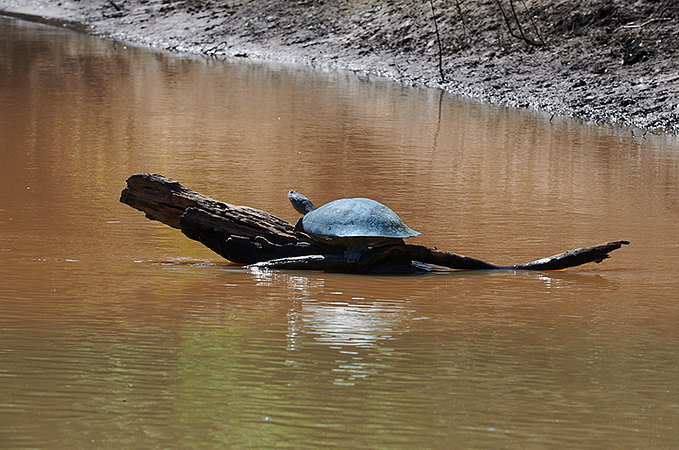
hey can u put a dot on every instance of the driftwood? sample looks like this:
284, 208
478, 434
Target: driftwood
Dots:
246, 235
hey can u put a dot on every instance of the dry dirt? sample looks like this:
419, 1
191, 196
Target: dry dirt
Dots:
603, 61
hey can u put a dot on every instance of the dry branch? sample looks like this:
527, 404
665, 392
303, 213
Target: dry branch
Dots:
438, 41
641, 25
240, 234
523, 36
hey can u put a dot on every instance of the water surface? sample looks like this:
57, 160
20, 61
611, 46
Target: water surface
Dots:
119, 332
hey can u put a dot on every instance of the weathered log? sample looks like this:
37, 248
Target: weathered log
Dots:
446, 259
246, 235
571, 258
239, 242
335, 263
399, 258
165, 200
240, 234
388, 259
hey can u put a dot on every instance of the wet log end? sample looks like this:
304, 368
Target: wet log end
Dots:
572, 258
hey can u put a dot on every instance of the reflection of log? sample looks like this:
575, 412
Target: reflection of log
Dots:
247, 235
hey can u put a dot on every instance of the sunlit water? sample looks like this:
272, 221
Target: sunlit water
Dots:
118, 332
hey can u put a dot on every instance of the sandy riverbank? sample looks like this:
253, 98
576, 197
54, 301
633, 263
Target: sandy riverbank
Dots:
604, 61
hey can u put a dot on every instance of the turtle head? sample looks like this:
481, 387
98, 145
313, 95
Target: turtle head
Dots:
301, 204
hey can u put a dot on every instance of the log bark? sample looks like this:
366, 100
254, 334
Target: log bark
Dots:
246, 235
240, 234
571, 258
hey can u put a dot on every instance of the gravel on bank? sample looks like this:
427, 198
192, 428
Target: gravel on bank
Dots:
603, 61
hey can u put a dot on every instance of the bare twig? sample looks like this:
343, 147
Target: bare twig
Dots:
521, 34
532, 22
641, 25
438, 40
117, 7
465, 28
504, 15
518, 24
212, 50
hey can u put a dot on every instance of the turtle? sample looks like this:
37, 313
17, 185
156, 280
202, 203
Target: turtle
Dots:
354, 223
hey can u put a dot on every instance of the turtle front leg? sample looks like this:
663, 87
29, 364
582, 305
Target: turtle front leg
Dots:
354, 252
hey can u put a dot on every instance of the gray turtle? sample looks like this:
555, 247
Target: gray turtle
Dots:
354, 223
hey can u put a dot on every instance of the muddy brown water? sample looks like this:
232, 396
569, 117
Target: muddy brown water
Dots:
119, 332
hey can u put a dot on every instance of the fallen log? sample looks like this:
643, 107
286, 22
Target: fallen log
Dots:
397, 258
246, 235
240, 234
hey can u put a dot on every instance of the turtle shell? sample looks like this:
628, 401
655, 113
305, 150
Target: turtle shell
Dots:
355, 217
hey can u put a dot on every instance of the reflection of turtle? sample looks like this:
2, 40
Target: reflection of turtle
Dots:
354, 223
